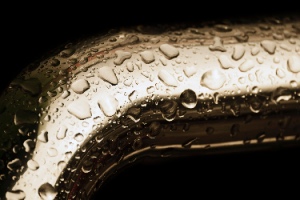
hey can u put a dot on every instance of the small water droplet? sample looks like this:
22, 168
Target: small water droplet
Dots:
154, 128
43, 136
209, 130
255, 104
280, 94
280, 73
293, 84
87, 166
47, 191
52, 152
213, 79
188, 98
78, 137
14, 165
190, 71
235, 129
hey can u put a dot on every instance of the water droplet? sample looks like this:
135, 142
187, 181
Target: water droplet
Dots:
128, 81
28, 145
14, 164
238, 52
132, 96
54, 62
293, 84
107, 74
255, 51
47, 191
218, 45
188, 98
269, 46
15, 195
130, 66
52, 152
61, 133
209, 130
67, 52
225, 62
190, 71
293, 64
108, 104
154, 128
150, 89
213, 79
137, 143
80, 86
246, 65
23, 117
80, 109
33, 165
32, 85
222, 28
121, 56
147, 56
280, 73
169, 50
87, 166
281, 94
255, 104
235, 129
168, 109
167, 78
78, 137
43, 136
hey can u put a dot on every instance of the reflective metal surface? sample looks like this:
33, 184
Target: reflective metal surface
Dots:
71, 120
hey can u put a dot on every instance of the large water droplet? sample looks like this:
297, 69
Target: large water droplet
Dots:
169, 50
167, 78
246, 65
107, 74
147, 56
218, 45
80, 109
190, 71
80, 86
238, 52
32, 85
15, 195
14, 164
61, 133
213, 79
121, 56
33, 165
108, 104
23, 117
43, 136
168, 109
269, 46
255, 104
47, 191
154, 128
225, 62
188, 98
293, 64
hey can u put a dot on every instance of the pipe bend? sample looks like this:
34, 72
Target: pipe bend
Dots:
72, 119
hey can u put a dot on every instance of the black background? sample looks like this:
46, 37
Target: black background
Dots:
28, 31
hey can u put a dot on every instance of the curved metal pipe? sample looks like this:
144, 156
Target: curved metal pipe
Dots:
90, 108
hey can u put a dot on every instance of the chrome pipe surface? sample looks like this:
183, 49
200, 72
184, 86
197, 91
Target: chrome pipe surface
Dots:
75, 117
